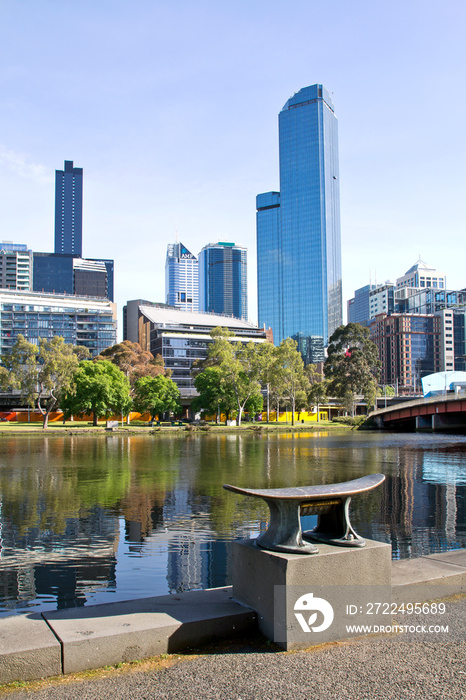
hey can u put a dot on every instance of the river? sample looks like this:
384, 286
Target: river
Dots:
87, 520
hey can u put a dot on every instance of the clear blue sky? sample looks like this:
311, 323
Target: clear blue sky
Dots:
171, 110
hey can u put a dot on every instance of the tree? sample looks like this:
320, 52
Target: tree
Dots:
317, 394
352, 364
100, 389
254, 405
266, 363
43, 373
133, 361
238, 367
156, 395
289, 376
214, 395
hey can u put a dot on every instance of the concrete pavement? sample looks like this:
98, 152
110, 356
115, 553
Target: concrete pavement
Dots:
384, 667
77, 639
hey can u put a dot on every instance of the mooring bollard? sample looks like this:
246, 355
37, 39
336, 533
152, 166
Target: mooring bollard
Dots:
330, 502
343, 573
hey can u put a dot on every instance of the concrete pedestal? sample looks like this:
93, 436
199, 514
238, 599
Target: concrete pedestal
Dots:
277, 586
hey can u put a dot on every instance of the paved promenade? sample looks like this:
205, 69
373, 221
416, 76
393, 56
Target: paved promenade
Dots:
424, 660
410, 666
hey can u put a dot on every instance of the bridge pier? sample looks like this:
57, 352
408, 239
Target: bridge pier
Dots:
424, 423
436, 422
379, 422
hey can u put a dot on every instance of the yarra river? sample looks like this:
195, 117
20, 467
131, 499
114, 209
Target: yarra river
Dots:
87, 520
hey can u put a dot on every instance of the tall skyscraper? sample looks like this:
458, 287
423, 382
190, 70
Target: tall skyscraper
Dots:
223, 280
181, 278
298, 228
69, 209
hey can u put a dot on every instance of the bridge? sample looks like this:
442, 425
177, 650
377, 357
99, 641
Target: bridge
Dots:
434, 413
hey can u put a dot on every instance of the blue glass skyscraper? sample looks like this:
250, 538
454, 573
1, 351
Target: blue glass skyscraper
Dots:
69, 210
223, 280
298, 228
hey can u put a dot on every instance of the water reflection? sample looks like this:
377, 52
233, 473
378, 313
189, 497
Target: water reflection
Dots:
86, 520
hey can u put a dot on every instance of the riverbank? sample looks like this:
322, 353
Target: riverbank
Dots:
75, 428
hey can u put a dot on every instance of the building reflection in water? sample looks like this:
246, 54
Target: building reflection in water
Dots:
118, 519
423, 505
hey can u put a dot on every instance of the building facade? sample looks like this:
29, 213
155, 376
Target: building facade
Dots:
428, 301
369, 301
223, 286
298, 228
16, 266
69, 209
70, 274
410, 347
358, 308
180, 337
80, 321
421, 275
181, 278
382, 299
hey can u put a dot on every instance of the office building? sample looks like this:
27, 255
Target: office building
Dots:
382, 299
223, 280
370, 300
428, 301
69, 209
181, 278
459, 337
420, 275
16, 266
410, 347
70, 274
79, 320
180, 337
358, 308
65, 271
298, 228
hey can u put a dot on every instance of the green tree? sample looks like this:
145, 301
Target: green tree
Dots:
156, 395
317, 394
254, 405
289, 377
134, 362
100, 389
266, 364
238, 367
43, 373
352, 365
214, 395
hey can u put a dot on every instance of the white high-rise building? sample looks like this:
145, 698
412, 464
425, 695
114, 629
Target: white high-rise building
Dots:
181, 278
15, 266
422, 276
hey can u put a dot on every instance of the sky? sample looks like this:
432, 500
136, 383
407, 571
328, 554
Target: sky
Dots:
171, 109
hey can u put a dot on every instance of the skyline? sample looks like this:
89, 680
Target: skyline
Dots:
171, 111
